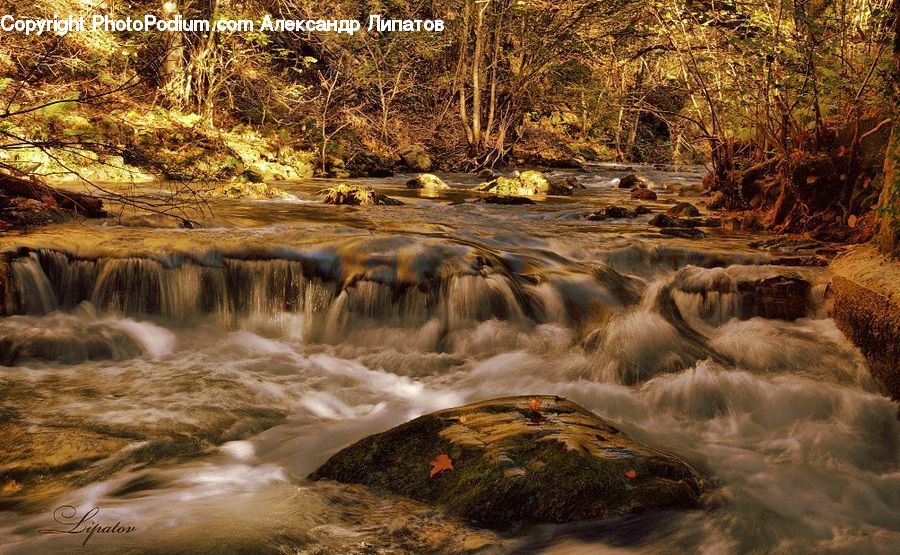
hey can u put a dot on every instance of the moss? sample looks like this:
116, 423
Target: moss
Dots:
512, 463
355, 196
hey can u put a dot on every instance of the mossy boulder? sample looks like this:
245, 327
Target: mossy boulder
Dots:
415, 158
528, 183
249, 191
355, 196
427, 181
538, 459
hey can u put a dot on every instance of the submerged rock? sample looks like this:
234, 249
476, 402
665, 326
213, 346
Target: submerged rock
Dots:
505, 199
632, 180
249, 191
542, 459
355, 196
528, 183
611, 212
426, 181
643, 194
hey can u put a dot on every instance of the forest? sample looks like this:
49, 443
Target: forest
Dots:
765, 94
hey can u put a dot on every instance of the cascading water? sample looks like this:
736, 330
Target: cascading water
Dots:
189, 390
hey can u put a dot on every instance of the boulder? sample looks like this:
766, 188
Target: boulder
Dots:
416, 159
486, 173
356, 196
611, 212
632, 180
683, 209
426, 181
643, 194
783, 297
641, 210
527, 183
541, 459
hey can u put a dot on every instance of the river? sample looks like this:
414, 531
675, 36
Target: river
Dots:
185, 381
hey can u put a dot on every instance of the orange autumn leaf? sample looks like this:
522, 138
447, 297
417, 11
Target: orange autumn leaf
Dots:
535, 405
11, 487
852, 220
631, 474
440, 463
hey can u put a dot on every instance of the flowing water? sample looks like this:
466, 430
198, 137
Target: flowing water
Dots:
185, 381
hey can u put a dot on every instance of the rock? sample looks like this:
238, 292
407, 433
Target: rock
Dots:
683, 232
643, 194
683, 209
662, 220
505, 199
611, 212
415, 158
510, 463
249, 191
865, 305
751, 222
7, 298
528, 183
426, 181
779, 297
632, 180
486, 173
641, 210
566, 186
356, 196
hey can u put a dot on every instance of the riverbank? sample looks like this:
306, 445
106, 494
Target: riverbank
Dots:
865, 292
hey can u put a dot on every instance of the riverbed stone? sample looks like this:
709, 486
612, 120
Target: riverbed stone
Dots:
632, 180
536, 459
643, 194
505, 199
683, 209
427, 181
355, 196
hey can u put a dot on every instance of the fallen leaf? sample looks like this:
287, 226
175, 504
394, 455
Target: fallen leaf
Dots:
440, 463
11, 487
631, 474
535, 405
851, 221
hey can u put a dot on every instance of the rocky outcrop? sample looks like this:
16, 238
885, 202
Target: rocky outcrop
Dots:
355, 196
7, 303
427, 181
865, 305
542, 459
